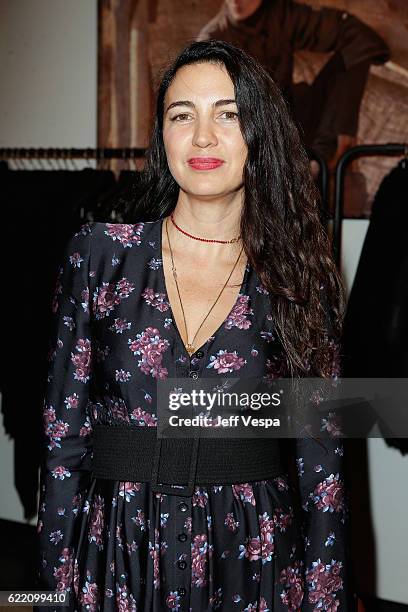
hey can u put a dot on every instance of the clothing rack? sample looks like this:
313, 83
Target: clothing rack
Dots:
390, 150
101, 154
51, 153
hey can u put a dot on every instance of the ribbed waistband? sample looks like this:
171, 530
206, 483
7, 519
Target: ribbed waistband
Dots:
135, 454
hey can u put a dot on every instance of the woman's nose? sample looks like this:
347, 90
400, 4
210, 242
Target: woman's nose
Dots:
204, 133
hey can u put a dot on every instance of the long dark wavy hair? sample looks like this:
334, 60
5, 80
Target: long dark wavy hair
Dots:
282, 233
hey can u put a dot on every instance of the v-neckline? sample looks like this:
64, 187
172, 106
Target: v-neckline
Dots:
163, 278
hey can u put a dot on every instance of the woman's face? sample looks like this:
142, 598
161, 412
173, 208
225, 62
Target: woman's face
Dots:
204, 145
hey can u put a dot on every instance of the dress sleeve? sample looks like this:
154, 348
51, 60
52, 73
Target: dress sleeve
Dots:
325, 507
65, 467
326, 29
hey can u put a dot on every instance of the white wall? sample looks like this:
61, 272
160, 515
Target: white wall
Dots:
48, 73
48, 76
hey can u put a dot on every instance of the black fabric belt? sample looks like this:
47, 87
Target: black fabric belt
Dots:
135, 454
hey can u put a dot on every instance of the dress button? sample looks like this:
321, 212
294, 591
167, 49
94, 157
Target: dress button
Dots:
182, 564
181, 591
183, 507
200, 354
182, 537
193, 374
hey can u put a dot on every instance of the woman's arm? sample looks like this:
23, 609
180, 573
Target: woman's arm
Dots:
325, 504
65, 468
328, 572
326, 29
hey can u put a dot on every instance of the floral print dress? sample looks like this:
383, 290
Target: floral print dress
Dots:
120, 546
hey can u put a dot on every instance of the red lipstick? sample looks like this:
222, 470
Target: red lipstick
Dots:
205, 163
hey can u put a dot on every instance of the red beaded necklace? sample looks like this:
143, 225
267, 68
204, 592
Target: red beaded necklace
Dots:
202, 239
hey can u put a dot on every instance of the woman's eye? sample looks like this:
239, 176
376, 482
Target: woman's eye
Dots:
232, 114
182, 115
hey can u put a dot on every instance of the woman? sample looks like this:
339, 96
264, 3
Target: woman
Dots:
222, 272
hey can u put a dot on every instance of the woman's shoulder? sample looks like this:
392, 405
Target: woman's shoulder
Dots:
124, 235
108, 247
100, 237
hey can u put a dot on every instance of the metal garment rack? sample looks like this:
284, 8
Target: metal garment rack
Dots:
101, 154
374, 150
66, 155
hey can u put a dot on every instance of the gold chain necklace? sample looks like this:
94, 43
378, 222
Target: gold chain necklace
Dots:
190, 345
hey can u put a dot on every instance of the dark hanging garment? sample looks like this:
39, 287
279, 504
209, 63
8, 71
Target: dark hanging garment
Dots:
376, 323
41, 209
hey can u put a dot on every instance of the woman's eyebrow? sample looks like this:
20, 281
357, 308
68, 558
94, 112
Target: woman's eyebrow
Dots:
190, 104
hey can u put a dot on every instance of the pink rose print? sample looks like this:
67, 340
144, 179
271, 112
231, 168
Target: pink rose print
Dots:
76, 260
120, 325
72, 401
124, 288
283, 521
150, 346
323, 581
226, 362
125, 602
143, 418
173, 600
331, 425
216, 599
61, 472
329, 494
157, 300
251, 549
56, 536
263, 606
85, 299
238, 316
267, 527
64, 573
231, 523
126, 234
89, 595
199, 554
117, 409
109, 295
154, 551
281, 483
128, 490
54, 429
84, 230
139, 520
199, 498
292, 580
244, 492
268, 336
97, 522
122, 376
261, 289
82, 360
86, 428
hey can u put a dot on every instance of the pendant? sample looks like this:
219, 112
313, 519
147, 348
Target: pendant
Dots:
190, 348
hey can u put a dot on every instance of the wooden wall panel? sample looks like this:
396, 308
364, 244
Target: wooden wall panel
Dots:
138, 38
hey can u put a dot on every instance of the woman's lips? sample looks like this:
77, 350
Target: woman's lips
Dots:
205, 163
